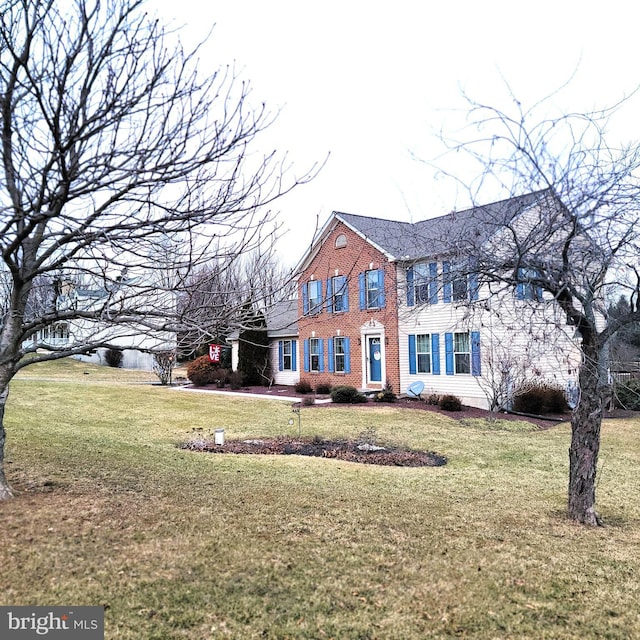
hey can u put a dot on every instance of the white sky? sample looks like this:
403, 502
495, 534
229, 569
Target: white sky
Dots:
367, 82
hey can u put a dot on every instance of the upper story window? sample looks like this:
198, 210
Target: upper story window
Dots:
459, 281
526, 289
422, 284
337, 294
312, 296
372, 289
341, 241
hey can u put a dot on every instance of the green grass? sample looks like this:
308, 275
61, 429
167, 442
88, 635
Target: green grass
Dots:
179, 544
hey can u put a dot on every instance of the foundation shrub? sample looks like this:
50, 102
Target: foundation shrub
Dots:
347, 395
541, 399
304, 386
113, 358
202, 371
450, 402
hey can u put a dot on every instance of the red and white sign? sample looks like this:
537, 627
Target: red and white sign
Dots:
215, 352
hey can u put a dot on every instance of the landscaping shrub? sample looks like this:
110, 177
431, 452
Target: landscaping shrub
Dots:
347, 395
202, 371
163, 364
303, 387
220, 377
450, 402
308, 401
113, 357
323, 388
627, 394
386, 395
433, 399
235, 380
541, 399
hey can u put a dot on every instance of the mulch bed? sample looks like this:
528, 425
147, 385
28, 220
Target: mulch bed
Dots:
348, 450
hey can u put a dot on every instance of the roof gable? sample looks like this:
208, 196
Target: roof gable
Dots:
448, 234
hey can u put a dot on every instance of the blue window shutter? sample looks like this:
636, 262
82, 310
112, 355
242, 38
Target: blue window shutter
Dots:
433, 283
446, 281
448, 352
475, 354
538, 293
435, 354
410, 291
363, 292
381, 297
305, 298
306, 355
412, 354
345, 293
474, 284
321, 354
520, 289
294, 349
330, 350
347, 355
329, 295
280, 356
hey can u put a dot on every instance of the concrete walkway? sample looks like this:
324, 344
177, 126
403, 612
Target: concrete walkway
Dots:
240, 394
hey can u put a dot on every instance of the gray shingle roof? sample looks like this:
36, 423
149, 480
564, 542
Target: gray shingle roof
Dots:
282, 319
459, 230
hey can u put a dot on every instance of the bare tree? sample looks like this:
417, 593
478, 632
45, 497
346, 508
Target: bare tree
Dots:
576, 241
113, 143
214, 297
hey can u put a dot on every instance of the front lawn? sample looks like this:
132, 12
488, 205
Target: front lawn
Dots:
179, 544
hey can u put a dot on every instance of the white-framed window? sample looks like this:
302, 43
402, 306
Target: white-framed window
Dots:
315, 354
315, 295
461, 353
526, 289
423, 353
339, 301
339, 354
286, 355
421, 280
372, 289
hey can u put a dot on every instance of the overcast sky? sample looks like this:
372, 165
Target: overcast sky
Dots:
367, 83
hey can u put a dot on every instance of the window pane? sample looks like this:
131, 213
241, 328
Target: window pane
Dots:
423, 343
462, 354
463, 363
372, 289
461, 342
339, 291
421, 283
314, 349
460, 289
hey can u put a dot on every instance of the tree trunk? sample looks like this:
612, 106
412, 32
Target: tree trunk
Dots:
5, 489
585, 438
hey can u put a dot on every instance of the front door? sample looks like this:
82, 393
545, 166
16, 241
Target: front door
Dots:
375, 360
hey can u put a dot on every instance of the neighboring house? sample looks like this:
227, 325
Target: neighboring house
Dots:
136, 342
382, 301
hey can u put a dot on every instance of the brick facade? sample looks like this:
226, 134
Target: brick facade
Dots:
343, 253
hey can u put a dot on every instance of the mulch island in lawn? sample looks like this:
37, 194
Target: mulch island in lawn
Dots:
349, 450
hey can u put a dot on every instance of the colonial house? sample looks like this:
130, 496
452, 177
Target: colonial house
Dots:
136, 342
386, 302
